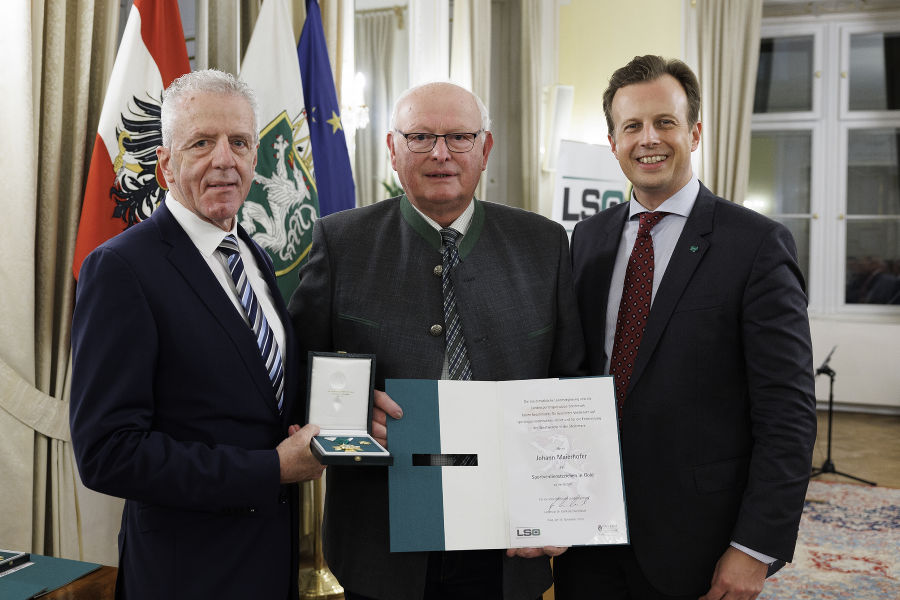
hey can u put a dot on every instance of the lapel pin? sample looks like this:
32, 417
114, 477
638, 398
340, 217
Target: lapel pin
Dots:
694, 248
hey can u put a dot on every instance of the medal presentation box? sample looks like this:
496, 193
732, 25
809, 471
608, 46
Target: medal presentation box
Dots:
505, 464
339, 401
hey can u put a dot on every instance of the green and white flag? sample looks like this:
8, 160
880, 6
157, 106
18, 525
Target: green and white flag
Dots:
283, 205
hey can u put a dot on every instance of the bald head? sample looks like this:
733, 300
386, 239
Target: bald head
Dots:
422, 93
439, 179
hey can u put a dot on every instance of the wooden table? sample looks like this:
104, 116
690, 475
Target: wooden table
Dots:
97, 585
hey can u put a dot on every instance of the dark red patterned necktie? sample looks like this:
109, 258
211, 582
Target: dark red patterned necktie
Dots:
634, 309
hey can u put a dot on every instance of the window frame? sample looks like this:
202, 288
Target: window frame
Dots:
815, 283
845, 31
829, 122
843, 217
798, 30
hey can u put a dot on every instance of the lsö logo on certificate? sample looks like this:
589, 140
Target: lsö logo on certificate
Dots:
562, 449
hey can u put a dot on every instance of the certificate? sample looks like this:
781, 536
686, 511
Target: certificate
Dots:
541, 464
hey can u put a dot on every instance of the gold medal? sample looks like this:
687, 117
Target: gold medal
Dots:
347, 448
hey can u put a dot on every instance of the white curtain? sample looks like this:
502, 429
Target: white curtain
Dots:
374, 51
470, 48
530, 49
429, 41
58, 55
728, 53
470, 53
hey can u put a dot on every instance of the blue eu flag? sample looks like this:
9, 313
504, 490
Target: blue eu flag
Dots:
331, 162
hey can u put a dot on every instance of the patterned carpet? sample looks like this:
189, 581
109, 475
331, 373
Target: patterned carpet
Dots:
849, 546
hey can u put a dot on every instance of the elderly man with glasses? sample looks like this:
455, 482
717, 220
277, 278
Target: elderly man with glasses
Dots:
436, 284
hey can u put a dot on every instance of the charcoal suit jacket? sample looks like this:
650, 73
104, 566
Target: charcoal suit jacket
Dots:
719, 416
172, 409
370, 286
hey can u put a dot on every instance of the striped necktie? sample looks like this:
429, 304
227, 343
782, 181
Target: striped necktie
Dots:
457, 355
265, 338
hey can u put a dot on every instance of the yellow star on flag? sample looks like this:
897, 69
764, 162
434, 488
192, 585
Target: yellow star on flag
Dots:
335, 122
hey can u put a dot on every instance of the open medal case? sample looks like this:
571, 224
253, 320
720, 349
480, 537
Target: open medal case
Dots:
339, 400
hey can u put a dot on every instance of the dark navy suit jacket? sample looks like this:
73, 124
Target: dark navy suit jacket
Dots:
719, 418
172, 409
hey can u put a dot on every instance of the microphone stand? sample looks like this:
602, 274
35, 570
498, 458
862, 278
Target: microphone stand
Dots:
828, 465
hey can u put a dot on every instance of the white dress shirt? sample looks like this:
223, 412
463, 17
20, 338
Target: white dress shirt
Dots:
206, 237
665, 234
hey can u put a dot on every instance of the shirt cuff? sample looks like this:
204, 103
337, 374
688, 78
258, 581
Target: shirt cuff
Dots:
757, 555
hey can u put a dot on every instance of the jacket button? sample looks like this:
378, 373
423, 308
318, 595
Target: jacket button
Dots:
436, 330
438, 270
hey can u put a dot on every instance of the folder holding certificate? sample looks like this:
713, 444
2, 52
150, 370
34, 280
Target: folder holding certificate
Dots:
505, 464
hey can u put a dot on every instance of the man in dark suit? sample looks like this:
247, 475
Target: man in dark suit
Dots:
373, 284
715, 385
175, 407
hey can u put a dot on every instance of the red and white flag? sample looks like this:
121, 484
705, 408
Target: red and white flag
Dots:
123, 186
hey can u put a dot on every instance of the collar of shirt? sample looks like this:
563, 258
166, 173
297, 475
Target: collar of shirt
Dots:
205, 236
461, 224
679, 203
665, 236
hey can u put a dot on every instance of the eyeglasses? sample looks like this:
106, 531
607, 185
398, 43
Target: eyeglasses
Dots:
425, 142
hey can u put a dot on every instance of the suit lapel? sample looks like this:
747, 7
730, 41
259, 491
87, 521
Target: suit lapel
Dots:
593, 278
187, 260
688, 254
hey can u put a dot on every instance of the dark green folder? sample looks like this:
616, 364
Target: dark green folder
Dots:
45, 575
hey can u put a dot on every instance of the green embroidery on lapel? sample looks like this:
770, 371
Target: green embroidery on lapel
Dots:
694, 248
537, 332
474, 232
358, 320
419, 225
433, 237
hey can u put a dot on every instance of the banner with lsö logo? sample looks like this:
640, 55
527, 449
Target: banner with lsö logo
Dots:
588, 180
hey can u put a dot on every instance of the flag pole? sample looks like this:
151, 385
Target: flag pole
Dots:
317, 582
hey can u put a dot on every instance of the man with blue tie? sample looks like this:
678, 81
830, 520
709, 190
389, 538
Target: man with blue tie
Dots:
184, 401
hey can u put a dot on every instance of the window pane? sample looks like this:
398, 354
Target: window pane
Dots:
780, 163
784, 79
875, 71
873, 186
873, 261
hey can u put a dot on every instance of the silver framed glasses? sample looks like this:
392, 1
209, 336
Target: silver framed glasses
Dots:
425, 142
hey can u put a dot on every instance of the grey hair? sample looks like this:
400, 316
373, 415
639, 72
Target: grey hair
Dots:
482, 109
210, 81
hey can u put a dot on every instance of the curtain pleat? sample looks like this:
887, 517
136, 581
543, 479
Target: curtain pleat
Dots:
470, 54
58, 56
728, 53
530, 49
374, 47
